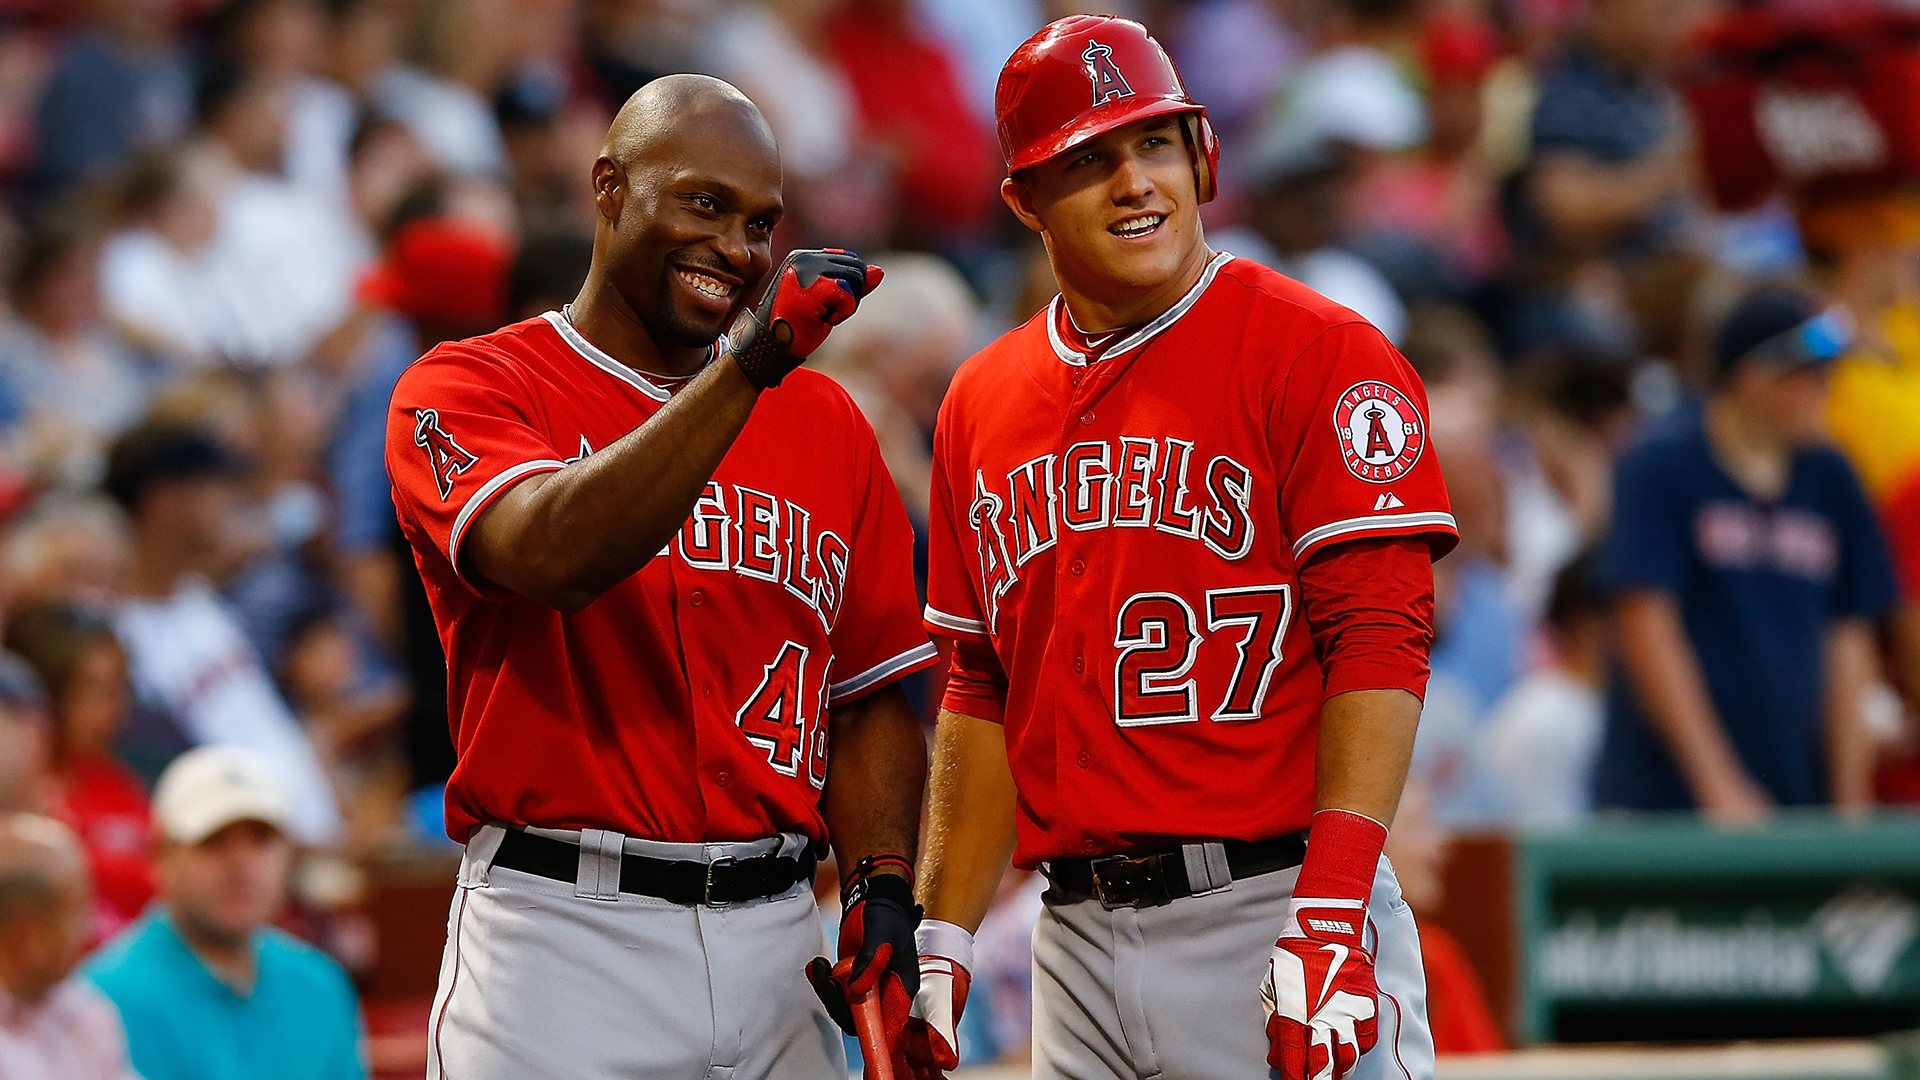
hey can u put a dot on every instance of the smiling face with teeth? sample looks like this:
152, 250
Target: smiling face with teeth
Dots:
1120, 217
688, 205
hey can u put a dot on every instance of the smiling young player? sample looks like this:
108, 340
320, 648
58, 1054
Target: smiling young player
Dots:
667, 576
1182, 535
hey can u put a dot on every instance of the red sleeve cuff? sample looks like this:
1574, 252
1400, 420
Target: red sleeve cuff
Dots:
976, 683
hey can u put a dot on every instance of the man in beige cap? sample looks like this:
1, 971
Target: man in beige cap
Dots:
207, 988
52, 1027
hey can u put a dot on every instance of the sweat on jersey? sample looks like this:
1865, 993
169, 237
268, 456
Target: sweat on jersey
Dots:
689, 702
1126, 530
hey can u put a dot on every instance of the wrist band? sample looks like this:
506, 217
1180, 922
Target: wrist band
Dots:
762, 359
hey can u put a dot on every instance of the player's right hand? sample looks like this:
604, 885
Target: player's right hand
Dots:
946, 962
813, 291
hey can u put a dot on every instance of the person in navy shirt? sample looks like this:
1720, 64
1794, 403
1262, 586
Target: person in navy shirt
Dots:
1747, 572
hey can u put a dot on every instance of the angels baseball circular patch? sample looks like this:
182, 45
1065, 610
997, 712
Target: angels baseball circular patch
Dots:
1381, 432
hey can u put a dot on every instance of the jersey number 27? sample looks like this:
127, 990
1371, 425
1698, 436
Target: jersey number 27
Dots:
1158, 638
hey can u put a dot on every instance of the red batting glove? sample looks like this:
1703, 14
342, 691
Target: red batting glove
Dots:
946, 962
814, 291
1321, 1001
876, 955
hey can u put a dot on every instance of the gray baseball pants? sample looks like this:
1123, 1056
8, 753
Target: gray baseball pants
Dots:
1172, 992
552, 980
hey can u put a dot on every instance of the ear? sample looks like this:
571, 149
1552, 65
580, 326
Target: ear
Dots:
1018, 195
609, 188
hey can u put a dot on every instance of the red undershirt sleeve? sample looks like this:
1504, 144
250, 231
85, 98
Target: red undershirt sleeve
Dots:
1369, 608
976, 683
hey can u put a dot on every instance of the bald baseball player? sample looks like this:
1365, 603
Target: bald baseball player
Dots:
671, 574
1183, 524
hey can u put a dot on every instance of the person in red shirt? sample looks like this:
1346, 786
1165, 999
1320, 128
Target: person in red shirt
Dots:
1183, 524
670, 573
84, 670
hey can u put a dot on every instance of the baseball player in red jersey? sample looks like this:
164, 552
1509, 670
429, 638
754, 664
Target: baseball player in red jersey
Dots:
669, 575
1182, 536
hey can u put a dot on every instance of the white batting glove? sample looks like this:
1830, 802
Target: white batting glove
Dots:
946, 962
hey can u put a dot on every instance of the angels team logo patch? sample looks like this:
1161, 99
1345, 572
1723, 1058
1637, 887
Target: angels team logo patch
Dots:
448, 458
1108, 83
1381, 433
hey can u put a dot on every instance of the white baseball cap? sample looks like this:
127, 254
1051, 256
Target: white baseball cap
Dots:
209, 788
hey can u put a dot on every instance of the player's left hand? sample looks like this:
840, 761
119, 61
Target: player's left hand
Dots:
814, 290
877, 956
1321, 1000
1319, 993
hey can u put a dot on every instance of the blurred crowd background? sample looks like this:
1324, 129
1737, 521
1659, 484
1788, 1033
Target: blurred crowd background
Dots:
227, 225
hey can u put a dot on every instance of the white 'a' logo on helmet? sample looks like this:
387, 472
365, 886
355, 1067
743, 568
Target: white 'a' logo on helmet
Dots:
1108, 83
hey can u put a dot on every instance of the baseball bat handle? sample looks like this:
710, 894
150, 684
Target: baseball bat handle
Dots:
871, 1025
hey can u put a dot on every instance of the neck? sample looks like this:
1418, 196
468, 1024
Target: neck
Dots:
230, 958
155, 571
1754, 455
606, 319
1096, 314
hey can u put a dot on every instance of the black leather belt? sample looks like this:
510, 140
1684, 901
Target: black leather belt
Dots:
1159, 875
681, 881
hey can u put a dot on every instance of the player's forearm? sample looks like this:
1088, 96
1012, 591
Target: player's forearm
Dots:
1366, 745
1850, 657
970, 810
875, 778
566, 537
1664, 674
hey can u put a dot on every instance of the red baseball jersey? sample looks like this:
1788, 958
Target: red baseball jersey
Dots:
689, 702
1126, 530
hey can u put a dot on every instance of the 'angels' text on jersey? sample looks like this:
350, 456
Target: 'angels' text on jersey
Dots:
1125, 482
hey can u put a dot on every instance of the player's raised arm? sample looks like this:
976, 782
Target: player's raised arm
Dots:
694, 242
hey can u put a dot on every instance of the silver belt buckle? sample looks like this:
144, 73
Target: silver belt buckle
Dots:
706, 894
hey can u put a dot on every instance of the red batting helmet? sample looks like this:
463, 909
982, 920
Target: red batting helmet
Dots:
1083, 76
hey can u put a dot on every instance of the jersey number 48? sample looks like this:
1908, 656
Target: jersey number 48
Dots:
1158, 638
775, 720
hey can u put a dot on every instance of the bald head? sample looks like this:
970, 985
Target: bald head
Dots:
40, 864
667, 111
688, 190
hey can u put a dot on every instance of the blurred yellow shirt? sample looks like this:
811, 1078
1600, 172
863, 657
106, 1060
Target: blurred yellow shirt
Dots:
1873, 405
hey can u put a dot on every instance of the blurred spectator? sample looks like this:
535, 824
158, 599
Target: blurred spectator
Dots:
1233, 55
1350, 88
67, 548
1457, 1009
1544, 735
1865, 252
982, 34
159, 281
896, 355
445, 96
945, 168
289, 254
120, 87
73, 383
1429, 219
189, 658
1298, 217
1602, 192
778, 55
1002, 989
351, 709
441, 280
207, 989
1748, 572
25, 743
84, 670
52, 1027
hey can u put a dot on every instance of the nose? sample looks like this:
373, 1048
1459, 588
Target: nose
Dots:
731, 245
1131, 185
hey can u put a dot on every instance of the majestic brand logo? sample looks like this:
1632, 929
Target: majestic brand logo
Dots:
1381, 433
1108, 83
448, 458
